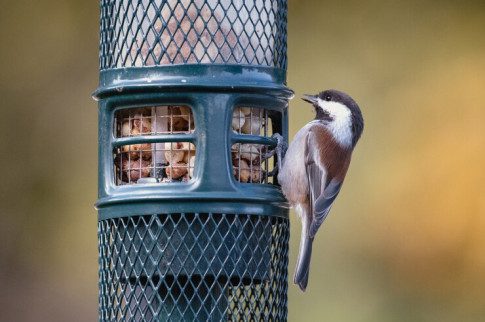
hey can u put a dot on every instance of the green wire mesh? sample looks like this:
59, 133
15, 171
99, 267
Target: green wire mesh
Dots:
193, 267
159, 32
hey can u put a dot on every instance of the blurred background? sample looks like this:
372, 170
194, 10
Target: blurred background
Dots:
405, 240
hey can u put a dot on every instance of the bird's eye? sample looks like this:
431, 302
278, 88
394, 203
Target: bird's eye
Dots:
328, 98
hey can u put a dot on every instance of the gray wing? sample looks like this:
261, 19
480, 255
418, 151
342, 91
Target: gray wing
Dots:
323, 190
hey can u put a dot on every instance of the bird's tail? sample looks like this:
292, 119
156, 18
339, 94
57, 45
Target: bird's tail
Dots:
304, 256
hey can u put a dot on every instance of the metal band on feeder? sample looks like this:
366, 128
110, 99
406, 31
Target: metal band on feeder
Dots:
192, 223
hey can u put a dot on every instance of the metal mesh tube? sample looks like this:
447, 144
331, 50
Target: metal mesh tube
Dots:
193, 266
192, 224
156, 32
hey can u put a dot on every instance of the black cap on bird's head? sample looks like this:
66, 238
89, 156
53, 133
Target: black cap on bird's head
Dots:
329, 105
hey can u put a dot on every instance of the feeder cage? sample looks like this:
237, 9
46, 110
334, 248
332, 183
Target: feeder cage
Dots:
192, 223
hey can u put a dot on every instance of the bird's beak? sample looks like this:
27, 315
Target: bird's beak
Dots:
312, 99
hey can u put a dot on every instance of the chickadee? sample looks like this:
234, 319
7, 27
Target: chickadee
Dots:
315, 165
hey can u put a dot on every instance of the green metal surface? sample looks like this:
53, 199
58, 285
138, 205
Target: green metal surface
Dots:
213, 179
201, 77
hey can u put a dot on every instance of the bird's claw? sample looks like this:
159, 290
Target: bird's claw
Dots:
271, 173
279, 151
281, 146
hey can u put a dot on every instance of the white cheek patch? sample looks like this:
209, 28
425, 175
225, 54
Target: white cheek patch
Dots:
342, 121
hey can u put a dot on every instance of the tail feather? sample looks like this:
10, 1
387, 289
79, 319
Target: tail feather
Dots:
303, 263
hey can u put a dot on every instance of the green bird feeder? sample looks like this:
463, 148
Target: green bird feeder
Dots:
192, 222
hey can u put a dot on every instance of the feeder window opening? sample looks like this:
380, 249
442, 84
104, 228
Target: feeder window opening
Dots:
252, 162
146, 162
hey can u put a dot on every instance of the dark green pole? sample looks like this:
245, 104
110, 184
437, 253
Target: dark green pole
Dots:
211, 244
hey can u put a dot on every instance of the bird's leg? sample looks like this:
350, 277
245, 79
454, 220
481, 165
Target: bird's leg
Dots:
268, 155
279, 150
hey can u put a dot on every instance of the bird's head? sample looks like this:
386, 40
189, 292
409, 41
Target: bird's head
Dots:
340, 113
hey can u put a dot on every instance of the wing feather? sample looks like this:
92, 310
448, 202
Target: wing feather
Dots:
323, 189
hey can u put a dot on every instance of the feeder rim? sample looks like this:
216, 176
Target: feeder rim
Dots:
193, 77
141, 207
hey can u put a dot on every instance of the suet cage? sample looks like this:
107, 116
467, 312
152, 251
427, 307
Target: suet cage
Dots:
192, 223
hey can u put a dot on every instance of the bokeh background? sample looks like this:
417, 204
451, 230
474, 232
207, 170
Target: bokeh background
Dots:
406, 238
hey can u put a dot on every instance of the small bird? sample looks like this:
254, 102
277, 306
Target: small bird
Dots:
315, 166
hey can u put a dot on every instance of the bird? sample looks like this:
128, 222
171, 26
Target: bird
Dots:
315, 164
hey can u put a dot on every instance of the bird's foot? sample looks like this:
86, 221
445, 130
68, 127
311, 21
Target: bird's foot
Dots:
268, 155
281, 148
271, 173
279, 151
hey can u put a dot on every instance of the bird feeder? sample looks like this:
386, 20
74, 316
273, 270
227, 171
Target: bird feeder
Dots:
192, 223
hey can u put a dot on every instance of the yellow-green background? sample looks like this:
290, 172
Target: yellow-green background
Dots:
405, 240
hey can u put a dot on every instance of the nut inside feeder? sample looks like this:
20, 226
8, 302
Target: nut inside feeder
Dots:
154, 162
